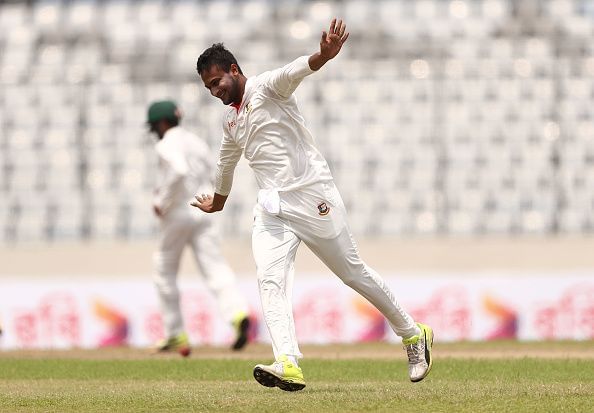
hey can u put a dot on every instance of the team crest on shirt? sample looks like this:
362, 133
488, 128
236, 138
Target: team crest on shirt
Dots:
247, 108
323, 209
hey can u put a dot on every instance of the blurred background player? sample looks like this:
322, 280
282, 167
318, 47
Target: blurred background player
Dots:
183, 166
297, 202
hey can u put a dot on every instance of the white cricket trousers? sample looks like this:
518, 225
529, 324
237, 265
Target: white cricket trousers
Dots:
181, 229
315, 215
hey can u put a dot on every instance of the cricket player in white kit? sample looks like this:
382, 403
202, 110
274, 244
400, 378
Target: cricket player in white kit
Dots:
297, 202
184, 165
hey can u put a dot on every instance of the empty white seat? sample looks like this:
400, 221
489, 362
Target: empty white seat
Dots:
455, 108
69, 219
13, 15
32, 223
116, 12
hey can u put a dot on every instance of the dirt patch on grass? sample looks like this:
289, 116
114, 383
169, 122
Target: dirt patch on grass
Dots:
383, 350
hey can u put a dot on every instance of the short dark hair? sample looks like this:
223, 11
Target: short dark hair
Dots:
216, 55
173, 121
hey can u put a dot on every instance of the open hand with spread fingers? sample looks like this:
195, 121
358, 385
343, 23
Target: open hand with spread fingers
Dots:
331, 42
209, 203
203, 202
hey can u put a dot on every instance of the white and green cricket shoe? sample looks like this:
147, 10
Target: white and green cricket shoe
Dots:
179, 343
282, 374
418, 349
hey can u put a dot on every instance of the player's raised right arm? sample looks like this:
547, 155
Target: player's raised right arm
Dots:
330, 44
285, 80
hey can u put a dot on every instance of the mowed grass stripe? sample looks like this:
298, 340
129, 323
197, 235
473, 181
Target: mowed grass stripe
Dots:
372, 395
314, 369
35, 385
125, 369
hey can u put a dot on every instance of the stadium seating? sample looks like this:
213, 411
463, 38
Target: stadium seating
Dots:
464, 117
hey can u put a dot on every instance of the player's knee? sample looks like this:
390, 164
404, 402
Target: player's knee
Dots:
167, 289
349, 280
164, 263
268, 282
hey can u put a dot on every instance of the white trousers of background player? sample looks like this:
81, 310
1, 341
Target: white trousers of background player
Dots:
177, 231
275, 240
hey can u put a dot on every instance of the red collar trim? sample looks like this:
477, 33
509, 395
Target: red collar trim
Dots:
236, 106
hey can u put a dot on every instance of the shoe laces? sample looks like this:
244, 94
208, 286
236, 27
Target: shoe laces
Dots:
415, 352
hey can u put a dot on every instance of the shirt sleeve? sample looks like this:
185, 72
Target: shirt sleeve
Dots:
285, 80
170, 181
229, 155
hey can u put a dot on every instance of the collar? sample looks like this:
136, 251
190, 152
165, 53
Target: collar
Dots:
236, 106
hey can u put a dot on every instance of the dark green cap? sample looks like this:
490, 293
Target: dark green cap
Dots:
164, 109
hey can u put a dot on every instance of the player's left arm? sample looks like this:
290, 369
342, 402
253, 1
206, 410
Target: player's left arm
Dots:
208, 203
172, 171
229, 155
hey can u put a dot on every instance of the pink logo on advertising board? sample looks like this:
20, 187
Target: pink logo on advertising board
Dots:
199, 313
375, 323
447, 311
25, 329
506, 318
570, 317
117, 325
55, 322
318, 317
153, 325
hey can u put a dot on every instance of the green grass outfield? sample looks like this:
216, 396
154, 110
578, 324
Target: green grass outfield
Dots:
468, 377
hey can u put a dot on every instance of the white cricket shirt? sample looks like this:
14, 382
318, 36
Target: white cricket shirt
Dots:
270, 131
185, 168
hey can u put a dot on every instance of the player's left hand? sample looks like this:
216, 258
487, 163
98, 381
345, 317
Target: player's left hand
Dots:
332, 42
203, 202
